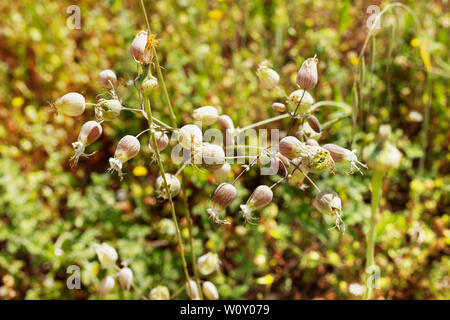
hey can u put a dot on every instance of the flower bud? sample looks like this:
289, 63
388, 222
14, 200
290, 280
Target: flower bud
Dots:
213, 156
173, 185
190, 137
314, 123
225, 122
89, 133
328, 202
279, 165
210, 291
141, 48
71, 104
306, 103
106, 254
108, 109
290, 147
160, 293
222, 198
192, 290
268, 78
208, 263
107, 78
127, 148
260, 197
340, 154
125, 278
208, 115
314, 159
312, 142
383, 155
307, 75
106, 285
149, 84
162, 141
278, 106
221, 174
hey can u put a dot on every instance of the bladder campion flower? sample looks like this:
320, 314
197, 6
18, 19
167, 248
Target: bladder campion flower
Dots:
307, 75
260, 198
208, 115
71, 104
107, 78
127, 148
210, 290
173, 184
125, 277
89, 133
221, 199
106, 285
160, 293
208, 263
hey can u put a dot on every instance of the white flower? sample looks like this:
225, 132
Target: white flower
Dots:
106, 254
71, 104
208, 263
160, 293
125, 278
106, 285
208, 115
210, 291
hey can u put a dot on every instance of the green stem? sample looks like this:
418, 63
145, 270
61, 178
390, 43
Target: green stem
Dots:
377, 182
148, 111
191, 239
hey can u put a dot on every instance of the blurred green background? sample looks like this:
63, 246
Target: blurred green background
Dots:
51, 214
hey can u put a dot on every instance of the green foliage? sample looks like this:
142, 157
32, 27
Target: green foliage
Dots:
51, 214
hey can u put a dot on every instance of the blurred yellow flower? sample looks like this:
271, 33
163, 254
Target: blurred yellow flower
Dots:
140, 171
266, 280
354, 60
95, 269
414, 42
215, 14
17, 102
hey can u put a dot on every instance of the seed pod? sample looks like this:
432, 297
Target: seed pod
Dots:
225, 122
127, 148
149, 84
162, 141
278, 106
307, 75
222, 198
192, 290
290, 147
208, 263
208, 115
106, 254
213, 156
210, 291
107, 78
306, 131
125, 278
190, 137
71, 104
89, 133
221, 174
340, 154
173, 184
160, 293
279, 165
314, 123
328, 202
312, 142
138, 46
295, 97
260, 197
106, 285
108, 109
268, 78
